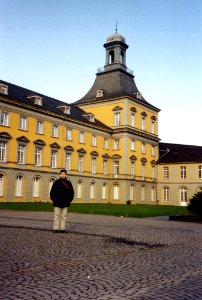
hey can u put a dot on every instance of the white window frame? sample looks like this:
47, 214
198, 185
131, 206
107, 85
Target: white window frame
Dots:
104, 191
132, 168
69, 134
4, 118
153, 172
2, 179
39, 127
19, 186
80, 163
3, 151
92, 190
133, 119
152, 194
55, 130
105, 166
36, 187
166, 194
81, 137
93, 165
143, 148
117, 118
116, 166
183, 196
23, 123
67, 161
38, 156
51, 181
132, 148
79, 189
152, 126
143, 123
143, 171
94, 140
117, 144
54, 154
21, 154
116, 191
166, 172
132, 187
183, 172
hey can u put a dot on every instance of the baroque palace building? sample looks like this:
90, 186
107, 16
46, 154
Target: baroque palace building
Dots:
107, 141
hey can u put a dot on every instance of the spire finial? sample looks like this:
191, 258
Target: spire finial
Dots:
116, 28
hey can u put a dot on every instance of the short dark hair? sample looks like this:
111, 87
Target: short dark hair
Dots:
63, 171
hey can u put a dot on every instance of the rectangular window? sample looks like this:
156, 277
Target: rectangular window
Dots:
104, 167
39, 127
36, 187
117, 118
143, 127
143, 148
94, 140
143, 171
23, 123
68, 161
117, 144
104, 191
18, 192
4, 118
200, 172
55, 131
105, 146
38, 156
1, 184
132, 145
21, 154
152, 126
152, 150
93, 165
116, 168
132, 168
183, 173
53, 159
166, 172
80, 166
2, 151
81, 137
152, 172
132, 119
69, 134
166, 194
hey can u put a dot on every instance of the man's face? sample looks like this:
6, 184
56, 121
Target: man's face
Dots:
62, 175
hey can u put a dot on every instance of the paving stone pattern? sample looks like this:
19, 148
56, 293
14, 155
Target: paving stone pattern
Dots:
99, 258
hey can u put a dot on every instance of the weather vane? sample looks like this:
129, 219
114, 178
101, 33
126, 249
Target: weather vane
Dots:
116, 28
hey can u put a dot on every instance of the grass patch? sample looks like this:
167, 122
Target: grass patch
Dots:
135, 211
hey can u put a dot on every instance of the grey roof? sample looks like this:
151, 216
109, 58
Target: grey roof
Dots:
179, 153
49, 104
114, 83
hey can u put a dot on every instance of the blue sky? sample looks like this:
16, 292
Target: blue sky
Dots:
55, 48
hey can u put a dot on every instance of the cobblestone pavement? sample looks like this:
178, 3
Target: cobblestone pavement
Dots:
99, 258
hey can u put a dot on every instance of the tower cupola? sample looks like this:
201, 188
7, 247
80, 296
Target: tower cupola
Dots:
115, 52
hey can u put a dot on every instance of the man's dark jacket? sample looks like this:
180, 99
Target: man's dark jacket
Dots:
62, 193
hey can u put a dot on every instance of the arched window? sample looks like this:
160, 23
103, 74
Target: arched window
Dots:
51, 183
19, 186
104, 191
142, 193
131, 192
92, 190
79, 189
152, 194
111, 57
116, 191
36, 186
1, 184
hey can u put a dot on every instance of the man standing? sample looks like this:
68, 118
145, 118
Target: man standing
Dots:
61, 194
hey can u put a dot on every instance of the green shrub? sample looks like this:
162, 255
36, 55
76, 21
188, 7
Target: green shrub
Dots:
195, 205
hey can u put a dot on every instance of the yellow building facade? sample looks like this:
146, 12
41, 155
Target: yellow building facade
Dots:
107, 141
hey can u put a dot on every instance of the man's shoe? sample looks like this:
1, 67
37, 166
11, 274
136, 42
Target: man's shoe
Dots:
62, 231
55, 231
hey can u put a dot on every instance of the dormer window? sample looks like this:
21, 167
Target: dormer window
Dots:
3, 89
138, 95
65, 109
90, 117
99, 93
36, 99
